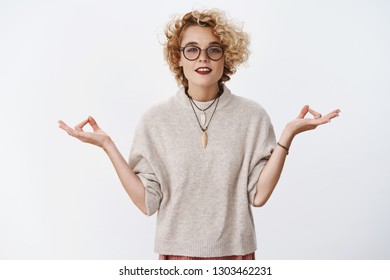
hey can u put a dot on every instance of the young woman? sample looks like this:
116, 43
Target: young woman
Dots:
203, 157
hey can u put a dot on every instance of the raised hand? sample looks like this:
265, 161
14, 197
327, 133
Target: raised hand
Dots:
130, 181
271, 173
301, 124
98, 137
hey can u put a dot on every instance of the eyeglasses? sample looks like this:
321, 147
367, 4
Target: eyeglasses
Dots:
193, 52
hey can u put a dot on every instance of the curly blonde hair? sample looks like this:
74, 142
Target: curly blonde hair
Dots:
231, 36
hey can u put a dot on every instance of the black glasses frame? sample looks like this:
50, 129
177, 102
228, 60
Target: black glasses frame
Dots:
182, 49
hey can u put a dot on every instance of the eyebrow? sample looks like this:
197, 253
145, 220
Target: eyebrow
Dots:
211, 43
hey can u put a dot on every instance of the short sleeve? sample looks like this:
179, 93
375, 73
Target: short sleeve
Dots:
140, 161
263, 148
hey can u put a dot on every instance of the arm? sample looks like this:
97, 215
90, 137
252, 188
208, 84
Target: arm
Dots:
130, 181
271, 172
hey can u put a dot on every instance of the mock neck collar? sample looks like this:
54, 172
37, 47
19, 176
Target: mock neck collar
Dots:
183, 99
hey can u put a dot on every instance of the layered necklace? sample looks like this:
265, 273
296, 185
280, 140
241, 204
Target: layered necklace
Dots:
202, 121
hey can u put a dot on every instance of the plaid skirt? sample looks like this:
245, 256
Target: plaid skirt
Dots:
250, 256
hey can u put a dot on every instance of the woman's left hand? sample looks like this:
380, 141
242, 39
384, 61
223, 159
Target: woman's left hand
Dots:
301, 124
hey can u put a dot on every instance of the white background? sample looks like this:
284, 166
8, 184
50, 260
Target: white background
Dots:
61, 199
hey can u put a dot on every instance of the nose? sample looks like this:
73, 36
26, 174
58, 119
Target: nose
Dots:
203, 55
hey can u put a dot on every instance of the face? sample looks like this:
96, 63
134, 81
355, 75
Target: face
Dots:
202, 72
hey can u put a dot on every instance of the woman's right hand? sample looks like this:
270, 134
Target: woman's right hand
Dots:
98, 137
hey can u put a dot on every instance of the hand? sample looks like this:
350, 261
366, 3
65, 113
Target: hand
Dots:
301, 124
98, 137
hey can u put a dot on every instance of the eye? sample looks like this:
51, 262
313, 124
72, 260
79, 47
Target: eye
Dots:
215, 50
191, 49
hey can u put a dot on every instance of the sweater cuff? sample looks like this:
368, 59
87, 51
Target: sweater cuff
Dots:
253, 180
152, 198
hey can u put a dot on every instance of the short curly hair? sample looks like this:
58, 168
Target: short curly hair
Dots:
231, 36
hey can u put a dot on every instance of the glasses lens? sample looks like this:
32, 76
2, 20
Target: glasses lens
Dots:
215, 53
191, 53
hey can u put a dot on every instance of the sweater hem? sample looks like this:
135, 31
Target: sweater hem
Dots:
205, 250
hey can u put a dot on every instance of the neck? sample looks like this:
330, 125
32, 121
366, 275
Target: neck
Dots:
203, 94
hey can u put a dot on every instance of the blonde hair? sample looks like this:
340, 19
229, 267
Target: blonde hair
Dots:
231, 36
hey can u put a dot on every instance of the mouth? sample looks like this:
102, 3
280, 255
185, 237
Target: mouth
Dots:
203, 70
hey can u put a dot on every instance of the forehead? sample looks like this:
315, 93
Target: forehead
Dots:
198, 34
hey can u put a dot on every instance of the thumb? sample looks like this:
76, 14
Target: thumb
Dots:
303, 112
93, 123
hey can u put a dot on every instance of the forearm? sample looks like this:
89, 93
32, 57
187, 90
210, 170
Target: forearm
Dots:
130, 181
271, 172
270, 175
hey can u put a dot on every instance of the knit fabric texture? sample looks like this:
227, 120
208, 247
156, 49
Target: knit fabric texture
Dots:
203, 196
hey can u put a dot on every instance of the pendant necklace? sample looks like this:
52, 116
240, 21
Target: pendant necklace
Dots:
202, 111
202, 121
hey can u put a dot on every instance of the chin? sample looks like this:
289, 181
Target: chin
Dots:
203, 82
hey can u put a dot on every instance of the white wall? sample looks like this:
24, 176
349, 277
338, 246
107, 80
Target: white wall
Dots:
61, 199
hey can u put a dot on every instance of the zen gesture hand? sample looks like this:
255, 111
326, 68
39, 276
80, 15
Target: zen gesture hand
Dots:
98, 137
301, 124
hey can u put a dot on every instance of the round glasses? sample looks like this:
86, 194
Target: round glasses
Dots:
193, 52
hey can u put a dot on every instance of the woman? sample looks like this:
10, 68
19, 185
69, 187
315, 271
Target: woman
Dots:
205, 155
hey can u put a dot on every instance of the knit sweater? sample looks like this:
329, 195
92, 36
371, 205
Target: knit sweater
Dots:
202, 195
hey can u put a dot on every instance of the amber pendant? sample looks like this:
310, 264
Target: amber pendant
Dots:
204, 139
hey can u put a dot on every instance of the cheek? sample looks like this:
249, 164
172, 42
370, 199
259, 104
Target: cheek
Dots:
183, 62
187, 69
220, 68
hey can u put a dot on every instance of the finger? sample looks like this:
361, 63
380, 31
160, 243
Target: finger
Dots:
68, 129
316, 114
335, 111
63, 125
80, 126
331, 115
303, 112
93, 123
60, 122
325, 119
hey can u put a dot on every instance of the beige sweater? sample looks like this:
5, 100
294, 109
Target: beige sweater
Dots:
202, 195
